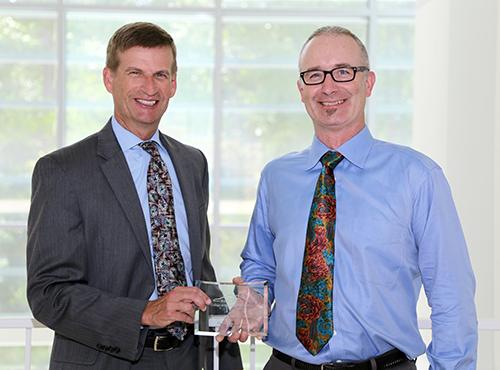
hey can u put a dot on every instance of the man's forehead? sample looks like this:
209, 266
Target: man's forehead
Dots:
336, 50
139, 55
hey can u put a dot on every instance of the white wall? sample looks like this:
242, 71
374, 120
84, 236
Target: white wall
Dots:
457, 122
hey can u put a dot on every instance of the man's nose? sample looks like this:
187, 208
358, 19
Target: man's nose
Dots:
149, 85
329, 85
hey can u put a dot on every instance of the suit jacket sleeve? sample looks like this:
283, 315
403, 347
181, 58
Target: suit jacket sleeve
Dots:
59, 291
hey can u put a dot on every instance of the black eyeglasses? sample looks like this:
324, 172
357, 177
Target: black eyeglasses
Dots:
339, 74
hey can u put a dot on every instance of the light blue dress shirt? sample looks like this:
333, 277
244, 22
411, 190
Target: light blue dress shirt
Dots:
397, 227
138, 163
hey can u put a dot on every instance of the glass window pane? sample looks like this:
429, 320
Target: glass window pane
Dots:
393, 127
393, 106
27, 98
394, 45
28, 36
396, 5
191, 126
13, 271
144, 3
248, 146
12, 349
308, 4
13, 293
35, 129
275, 41
82, 121
227, 257
28, 2
12, 356
260, 88
28, 84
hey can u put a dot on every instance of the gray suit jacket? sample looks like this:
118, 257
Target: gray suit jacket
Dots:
89, 264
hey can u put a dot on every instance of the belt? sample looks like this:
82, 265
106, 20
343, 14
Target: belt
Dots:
384, 361
162, 340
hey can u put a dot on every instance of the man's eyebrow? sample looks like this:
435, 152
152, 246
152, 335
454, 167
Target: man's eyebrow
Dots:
132, 68
318, 68
340, 65
166, 71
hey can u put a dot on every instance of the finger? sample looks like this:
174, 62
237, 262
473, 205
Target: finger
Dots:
187, 308
234, 337
193, 295
224, 326
243, 336
238, 280
182, 316
240, 335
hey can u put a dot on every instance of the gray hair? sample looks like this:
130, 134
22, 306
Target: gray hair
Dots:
339, 31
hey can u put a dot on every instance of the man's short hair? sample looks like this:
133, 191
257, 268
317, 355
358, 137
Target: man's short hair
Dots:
339, 31
143, 34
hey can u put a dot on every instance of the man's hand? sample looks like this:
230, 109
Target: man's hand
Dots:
177, 305
248, 315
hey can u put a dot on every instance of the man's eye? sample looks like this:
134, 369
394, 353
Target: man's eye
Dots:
162, 75
315, 75
344, 72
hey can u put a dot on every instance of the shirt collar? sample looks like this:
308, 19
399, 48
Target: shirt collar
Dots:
355, 150
128, 140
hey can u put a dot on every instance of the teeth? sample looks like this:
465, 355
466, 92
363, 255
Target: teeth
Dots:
331, 104
149, 103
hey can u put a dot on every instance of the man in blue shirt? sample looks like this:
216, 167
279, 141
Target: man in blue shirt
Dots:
395, 228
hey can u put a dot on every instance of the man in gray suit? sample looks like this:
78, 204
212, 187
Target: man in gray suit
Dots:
91, 257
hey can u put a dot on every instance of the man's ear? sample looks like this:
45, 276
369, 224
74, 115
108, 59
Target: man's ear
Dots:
300, 87
370, 82
107, 78
173, 88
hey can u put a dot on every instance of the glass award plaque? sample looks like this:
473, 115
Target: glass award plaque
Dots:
241, 307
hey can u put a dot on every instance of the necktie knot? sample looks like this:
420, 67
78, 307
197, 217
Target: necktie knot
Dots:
331, 159
151, 148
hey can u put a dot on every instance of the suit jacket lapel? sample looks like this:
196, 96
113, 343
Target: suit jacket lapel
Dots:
116, 171
182, 169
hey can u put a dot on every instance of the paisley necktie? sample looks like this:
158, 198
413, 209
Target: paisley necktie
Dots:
314, 304
169, 265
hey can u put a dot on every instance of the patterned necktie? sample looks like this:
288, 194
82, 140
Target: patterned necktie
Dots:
314, 304
169, 265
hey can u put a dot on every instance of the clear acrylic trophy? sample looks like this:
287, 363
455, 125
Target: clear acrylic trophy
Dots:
234, 307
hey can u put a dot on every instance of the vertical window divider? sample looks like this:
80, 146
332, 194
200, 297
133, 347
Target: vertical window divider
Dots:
61, 75
217, 130
371, 41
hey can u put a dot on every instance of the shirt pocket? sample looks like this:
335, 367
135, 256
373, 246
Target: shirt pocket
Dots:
375, 247
379, 263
